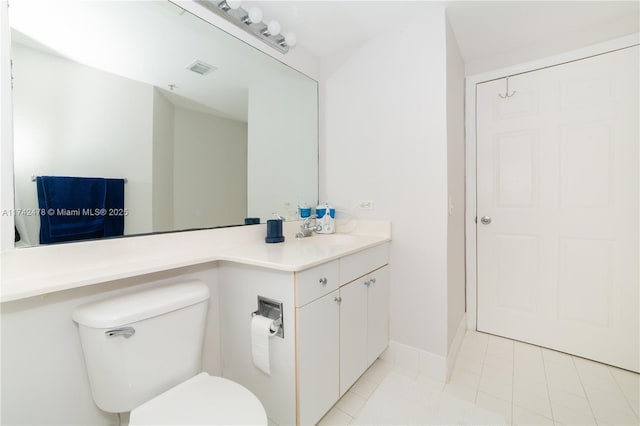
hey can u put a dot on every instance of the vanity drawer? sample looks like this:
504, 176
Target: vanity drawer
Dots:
361, 263
316, 282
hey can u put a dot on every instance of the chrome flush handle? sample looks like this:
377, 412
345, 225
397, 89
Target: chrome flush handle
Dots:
126, 332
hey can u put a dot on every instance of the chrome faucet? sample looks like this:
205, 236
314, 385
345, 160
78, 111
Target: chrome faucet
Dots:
307, 228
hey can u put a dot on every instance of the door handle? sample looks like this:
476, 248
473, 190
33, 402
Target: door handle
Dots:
485, 220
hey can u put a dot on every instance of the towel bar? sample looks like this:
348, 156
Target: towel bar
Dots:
33, 179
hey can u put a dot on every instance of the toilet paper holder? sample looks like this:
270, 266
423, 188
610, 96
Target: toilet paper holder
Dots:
271, 309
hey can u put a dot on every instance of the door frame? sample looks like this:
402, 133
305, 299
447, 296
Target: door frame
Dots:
470, 146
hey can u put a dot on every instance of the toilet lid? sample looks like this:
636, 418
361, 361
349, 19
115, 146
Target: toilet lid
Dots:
202, 400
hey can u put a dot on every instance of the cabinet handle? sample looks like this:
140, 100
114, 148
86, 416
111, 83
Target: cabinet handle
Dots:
373, 280
367, 283
338, 299
323, 281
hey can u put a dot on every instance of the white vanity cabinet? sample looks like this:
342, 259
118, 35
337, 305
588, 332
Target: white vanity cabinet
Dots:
336, 323
348, 327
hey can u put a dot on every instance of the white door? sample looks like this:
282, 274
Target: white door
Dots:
557, 176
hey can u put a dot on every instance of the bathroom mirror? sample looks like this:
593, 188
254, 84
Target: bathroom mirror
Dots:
205, 129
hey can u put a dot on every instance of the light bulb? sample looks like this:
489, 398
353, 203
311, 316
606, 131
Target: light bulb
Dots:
290, 39
255, 15
274, 28
233, 4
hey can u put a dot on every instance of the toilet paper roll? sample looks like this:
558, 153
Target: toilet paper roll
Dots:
260, 334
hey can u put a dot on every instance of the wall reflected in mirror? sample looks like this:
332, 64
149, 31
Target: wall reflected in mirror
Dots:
206, 129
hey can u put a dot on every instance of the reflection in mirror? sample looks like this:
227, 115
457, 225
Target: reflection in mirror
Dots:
205, 129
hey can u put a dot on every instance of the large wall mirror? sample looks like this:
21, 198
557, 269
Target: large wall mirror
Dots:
205, 129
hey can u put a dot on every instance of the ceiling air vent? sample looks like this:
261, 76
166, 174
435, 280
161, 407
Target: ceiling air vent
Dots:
200, 67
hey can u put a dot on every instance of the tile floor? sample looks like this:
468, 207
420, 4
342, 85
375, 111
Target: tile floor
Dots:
516, 383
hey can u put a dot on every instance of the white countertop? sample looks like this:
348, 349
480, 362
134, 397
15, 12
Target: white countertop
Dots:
40, 270
297, 255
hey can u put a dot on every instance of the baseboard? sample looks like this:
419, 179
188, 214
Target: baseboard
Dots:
455, 346
416, 361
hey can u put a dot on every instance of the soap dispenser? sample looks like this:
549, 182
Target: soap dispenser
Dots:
326, 217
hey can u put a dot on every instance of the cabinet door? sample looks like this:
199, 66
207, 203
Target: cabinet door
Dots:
377, 313
353, 333
318, 357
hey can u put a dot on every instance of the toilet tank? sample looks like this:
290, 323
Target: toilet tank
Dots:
141, 344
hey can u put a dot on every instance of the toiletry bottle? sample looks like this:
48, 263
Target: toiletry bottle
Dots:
304, 211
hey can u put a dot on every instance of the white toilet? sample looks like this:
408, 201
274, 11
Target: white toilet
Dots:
143, 353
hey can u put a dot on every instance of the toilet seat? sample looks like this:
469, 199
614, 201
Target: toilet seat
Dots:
202, 400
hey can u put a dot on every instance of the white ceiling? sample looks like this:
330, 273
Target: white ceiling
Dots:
327, 27
485, 29
482, 28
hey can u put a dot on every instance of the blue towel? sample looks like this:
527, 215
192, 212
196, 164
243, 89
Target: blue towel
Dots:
73, 207
114, 221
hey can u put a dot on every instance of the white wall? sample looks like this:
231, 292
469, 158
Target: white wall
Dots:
44, 379
162, 159
277, 152
211, 151
384, 138
455, 183
47, 91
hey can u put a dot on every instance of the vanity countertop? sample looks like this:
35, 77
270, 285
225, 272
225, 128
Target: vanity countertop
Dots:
46, 269
299, 254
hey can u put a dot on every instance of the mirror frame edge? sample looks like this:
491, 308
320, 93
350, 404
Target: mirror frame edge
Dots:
7, 204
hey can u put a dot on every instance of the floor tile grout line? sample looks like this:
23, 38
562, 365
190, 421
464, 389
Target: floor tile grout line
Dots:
586, 395
346, 414
513, 376
624, 395
546, 381
484, 358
